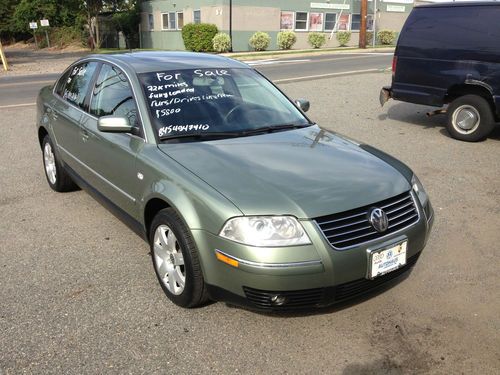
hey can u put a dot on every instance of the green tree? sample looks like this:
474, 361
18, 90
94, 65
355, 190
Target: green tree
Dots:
57, 12
7, 8
127, 21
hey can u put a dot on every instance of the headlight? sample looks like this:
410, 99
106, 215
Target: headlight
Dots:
418, 188
265, 231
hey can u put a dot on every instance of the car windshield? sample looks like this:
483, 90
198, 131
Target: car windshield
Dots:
205, 103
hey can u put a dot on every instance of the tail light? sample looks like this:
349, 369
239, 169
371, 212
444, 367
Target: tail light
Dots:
394, 63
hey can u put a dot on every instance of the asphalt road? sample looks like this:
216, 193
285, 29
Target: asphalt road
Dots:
19, 91
78, 293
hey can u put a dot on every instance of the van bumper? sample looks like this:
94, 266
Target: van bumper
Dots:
385, 95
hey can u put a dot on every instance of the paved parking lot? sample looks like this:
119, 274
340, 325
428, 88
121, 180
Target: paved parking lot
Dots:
78, 292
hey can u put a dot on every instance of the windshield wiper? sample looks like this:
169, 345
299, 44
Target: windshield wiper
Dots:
272, 129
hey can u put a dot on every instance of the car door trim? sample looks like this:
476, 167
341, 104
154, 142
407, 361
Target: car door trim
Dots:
124, 193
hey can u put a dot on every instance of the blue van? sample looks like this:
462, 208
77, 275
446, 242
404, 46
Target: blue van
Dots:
449, 54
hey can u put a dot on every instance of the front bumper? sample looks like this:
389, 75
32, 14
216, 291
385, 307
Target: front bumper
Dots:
302, 276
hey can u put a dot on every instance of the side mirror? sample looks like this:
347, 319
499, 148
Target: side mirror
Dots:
303, 104
113, 124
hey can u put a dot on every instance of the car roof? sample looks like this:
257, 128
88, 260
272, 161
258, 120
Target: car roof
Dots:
152, 61
458, 4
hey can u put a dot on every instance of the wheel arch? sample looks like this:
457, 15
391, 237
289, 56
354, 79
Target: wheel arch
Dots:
42, 132
476, 88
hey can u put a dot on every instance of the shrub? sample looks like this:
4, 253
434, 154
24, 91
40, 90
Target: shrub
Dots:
221, 42
199, 37
260, 41
286, 39
369, 38
343, 37
316, 40
386, 37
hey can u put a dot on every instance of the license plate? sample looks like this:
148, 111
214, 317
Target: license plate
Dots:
387, 260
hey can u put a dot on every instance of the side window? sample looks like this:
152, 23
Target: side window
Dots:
61, 84
77, 83
112, 95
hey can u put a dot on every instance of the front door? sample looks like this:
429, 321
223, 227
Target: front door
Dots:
112, 156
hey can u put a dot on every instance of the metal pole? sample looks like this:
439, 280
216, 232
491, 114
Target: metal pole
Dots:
4, 59
374, 38
47, 36
231, 25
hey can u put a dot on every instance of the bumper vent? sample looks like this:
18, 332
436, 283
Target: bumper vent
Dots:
352, 228
309, 298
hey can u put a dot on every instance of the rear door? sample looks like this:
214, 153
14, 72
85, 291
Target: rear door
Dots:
66, 113
111, 156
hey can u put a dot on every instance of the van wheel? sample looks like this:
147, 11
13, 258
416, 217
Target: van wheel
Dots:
175, 260
470, 118
58, 179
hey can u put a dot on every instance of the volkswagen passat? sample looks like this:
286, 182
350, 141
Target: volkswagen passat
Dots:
241, 197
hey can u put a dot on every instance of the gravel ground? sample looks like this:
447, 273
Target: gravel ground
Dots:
78, 293
25, 60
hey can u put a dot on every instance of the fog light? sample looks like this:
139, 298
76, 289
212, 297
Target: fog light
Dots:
278, 300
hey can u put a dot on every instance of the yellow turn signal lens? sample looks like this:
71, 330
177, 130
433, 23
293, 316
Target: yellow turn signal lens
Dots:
225, 259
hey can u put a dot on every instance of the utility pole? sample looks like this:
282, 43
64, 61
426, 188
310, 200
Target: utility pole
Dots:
231, 25
362, 26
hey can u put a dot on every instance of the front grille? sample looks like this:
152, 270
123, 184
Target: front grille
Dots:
352, 228
308, 298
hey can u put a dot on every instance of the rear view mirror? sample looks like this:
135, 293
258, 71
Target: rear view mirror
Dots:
113, 124
303, 104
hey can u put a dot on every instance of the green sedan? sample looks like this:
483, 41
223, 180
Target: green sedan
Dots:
241, 197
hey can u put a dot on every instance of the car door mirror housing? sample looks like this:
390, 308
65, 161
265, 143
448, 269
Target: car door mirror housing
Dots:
114, 124
303, 104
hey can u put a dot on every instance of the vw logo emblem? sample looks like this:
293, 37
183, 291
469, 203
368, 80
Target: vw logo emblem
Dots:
378, 220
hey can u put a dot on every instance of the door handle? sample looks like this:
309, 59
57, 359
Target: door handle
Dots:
85, 135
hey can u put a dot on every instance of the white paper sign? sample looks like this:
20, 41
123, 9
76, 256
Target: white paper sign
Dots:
33, 25
330, 6
44, 23
395, 8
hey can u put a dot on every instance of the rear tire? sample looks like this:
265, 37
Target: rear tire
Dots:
470, 118
176, 261
57, 177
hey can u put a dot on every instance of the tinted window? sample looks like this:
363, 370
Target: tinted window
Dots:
77, 83
61, 84
199, 101
330, 20
112, 95
355, 21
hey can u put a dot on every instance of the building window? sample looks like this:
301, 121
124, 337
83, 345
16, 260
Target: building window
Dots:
355, 22
151, 22
180, 20
301, 21
196, 16
316, 21
168, 21
330, 20
287, 20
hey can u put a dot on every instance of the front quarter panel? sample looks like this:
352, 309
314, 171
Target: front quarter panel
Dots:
201, 206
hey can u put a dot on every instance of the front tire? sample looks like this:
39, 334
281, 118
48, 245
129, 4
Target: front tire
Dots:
470, 118
175, 260
57, 177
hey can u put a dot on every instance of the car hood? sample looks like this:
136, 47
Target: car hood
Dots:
307, 172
